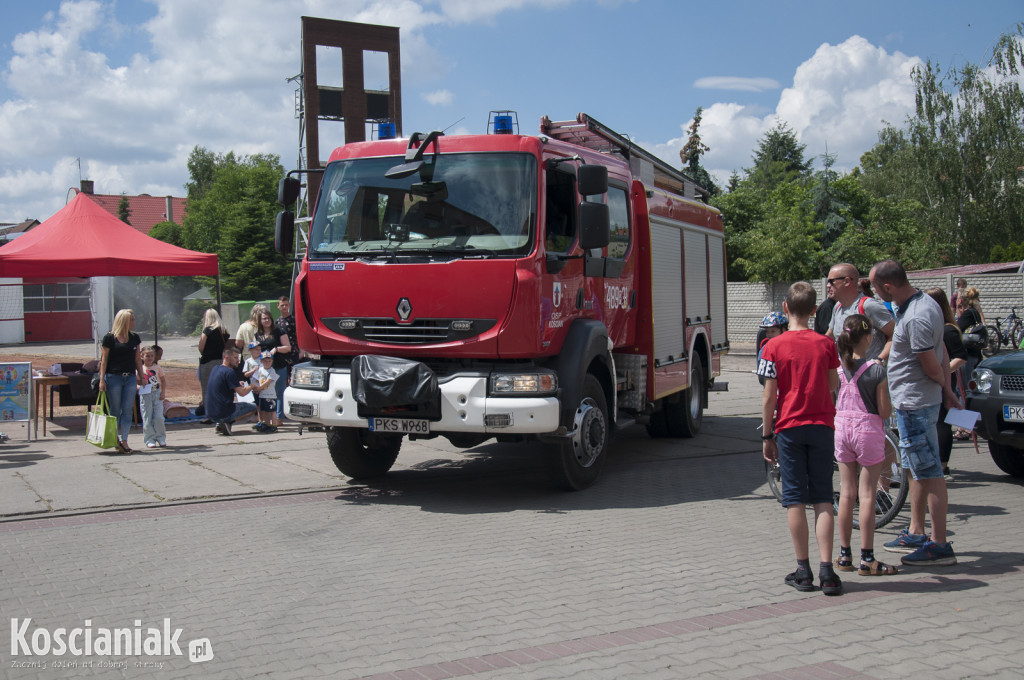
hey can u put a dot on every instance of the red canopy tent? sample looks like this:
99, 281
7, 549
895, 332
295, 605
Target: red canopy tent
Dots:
84, 240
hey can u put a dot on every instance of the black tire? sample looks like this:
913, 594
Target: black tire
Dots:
360, 454
658, 427
992, 344
575, 464
891, 492
685, 416
1007, 459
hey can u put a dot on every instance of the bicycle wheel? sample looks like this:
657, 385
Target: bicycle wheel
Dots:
992, 346
891, 492
1018, 336
774, 478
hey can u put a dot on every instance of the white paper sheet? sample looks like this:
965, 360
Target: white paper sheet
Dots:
962, 418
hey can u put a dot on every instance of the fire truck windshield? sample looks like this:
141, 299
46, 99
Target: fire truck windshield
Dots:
470, 204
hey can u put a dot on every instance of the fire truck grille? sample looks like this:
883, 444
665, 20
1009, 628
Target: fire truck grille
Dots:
419, 332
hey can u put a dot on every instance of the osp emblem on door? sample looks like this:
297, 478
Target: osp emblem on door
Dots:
556, 294
404, 309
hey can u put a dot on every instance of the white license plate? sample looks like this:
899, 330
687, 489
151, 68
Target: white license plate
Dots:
1013, 414
400, 425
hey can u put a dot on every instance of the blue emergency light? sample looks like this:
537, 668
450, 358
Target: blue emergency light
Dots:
386, 131
503, 123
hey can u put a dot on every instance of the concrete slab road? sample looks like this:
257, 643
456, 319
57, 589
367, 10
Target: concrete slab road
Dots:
467, 565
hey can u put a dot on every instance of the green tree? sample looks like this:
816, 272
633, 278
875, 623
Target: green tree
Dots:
124, 213
231, 212
690, 156
959, 155
168, 232
779, 158
784, 245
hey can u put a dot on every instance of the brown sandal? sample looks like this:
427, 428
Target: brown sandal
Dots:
877, 568
844, 563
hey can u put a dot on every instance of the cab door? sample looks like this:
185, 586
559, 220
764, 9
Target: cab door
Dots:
617, 278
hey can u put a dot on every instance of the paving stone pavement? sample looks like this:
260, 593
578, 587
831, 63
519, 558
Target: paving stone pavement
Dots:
465, 564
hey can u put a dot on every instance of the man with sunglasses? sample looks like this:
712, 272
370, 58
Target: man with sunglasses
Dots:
844, 287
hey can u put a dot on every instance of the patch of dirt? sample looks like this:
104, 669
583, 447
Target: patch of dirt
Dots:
182, 383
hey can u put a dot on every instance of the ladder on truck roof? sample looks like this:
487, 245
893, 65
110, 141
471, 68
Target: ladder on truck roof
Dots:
588, 132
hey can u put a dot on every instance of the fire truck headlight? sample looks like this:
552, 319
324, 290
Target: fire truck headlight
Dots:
309, 377
532, 384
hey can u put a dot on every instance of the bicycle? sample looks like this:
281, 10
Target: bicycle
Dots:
890, 496
1013, 336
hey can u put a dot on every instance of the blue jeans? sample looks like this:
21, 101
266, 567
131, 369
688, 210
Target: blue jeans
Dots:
279, 387
121, 391
919, 442
806, 454
241, 408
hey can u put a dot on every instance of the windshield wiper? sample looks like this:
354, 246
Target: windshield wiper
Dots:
458, 251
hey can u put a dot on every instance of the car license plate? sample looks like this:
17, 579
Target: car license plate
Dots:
400, 425
1014, 414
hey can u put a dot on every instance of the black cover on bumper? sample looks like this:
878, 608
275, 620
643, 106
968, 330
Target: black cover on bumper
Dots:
395, 387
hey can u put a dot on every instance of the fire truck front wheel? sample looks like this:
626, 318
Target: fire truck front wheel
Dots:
360, 453
576, 463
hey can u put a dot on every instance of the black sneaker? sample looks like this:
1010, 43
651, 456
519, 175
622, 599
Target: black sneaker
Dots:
224, 428
801, 579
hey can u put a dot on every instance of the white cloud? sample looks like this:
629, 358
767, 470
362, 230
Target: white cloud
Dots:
736, 83
212, 74
840, 98
467, 11
438, 97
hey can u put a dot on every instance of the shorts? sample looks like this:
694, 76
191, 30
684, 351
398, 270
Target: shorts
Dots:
860, 440
267, 404
919, 442
805, 461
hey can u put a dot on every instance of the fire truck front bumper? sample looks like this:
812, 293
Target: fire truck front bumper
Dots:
491, 402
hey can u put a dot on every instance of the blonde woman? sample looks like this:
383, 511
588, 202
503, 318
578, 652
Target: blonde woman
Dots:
121, 372
247, 331
211, 347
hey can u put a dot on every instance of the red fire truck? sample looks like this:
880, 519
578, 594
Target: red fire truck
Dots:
548, 288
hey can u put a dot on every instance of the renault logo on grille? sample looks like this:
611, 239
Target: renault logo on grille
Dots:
404, 309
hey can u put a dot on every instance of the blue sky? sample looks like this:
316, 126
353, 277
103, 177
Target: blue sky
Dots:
130, 87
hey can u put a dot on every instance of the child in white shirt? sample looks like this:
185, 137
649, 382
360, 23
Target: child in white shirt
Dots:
263, 380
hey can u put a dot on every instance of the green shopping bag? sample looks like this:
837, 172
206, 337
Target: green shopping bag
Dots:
101, 427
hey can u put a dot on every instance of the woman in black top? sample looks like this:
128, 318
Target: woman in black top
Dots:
969, 310
272, 339
951, 338
211, 347
121, 373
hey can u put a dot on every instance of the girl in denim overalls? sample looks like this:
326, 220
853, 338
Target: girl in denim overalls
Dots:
861, 410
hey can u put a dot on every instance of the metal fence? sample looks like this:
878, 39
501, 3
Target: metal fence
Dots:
749, 302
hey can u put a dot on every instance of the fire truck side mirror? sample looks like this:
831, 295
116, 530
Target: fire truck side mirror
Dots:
594, 225
284, 232
592, 180
288, 190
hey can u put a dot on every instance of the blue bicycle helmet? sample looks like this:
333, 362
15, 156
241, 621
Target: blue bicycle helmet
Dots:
772, 319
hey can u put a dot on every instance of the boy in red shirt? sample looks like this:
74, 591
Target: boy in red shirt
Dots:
799, 368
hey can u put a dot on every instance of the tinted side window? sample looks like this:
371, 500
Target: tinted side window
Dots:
560, 209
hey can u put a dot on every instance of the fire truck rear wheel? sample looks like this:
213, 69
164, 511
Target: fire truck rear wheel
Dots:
576, 463
685, 416
360, 453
